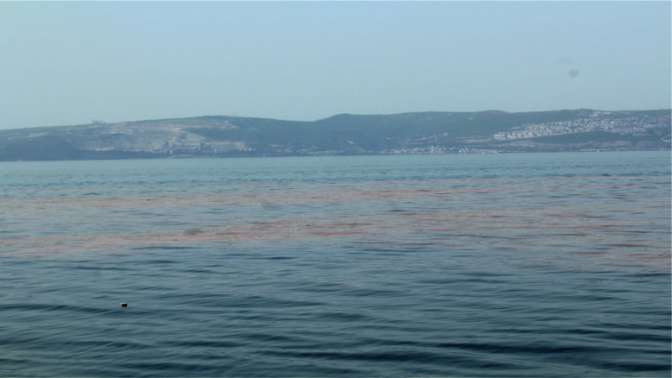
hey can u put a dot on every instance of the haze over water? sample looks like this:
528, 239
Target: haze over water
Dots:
493, 265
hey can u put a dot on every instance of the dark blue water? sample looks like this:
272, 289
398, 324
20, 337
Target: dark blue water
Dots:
503, 265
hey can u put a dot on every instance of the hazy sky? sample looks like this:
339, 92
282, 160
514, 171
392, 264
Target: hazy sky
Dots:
69, 63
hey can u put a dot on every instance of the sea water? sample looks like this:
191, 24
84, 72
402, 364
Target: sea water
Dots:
454, 265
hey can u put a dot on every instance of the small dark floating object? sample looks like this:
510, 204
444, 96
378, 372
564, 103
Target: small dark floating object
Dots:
193, 231
124, 305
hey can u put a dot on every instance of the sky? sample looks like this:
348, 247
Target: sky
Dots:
72, 63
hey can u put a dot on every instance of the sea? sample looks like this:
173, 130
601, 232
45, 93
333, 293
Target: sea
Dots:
503, 265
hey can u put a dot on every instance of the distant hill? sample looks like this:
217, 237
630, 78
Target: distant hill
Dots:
345, 134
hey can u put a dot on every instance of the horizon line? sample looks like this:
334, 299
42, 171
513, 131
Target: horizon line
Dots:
99, 122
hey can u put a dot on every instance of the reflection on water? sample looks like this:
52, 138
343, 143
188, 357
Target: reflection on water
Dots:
514, 265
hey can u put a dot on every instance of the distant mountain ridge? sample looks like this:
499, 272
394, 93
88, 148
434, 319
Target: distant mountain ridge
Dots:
345, 134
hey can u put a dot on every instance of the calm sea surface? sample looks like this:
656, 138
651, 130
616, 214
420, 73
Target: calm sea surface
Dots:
500, 265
